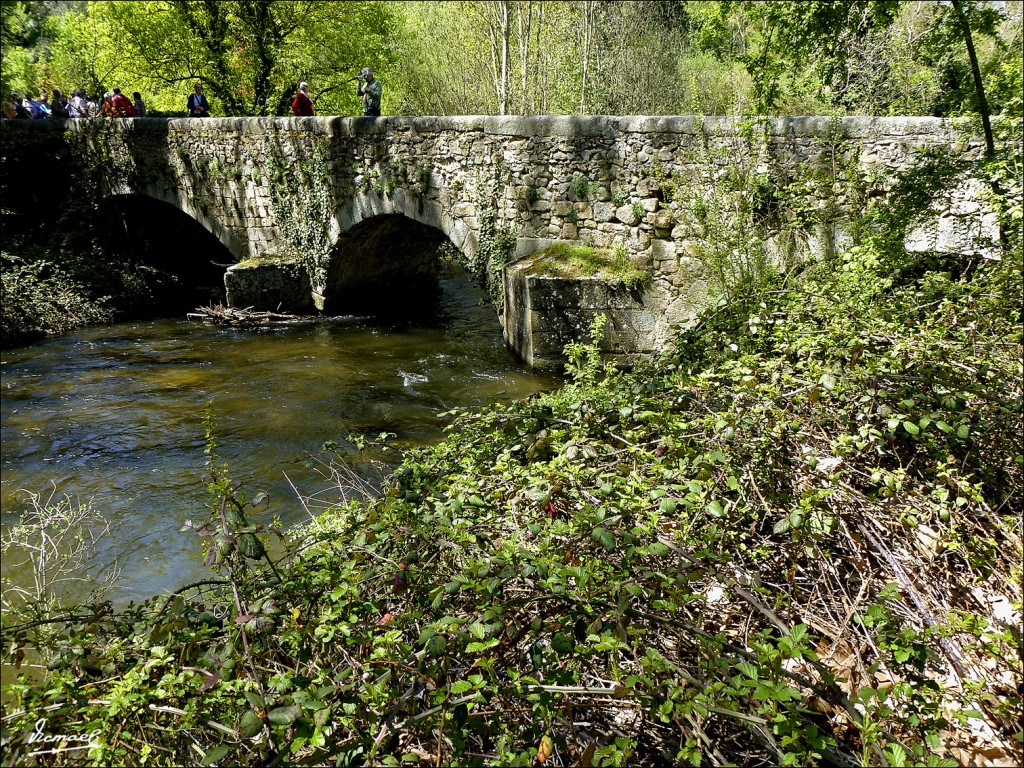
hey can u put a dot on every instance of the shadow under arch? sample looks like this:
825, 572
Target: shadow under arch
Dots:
180, 263
388, 265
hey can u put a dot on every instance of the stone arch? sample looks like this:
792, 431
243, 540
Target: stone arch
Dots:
383, 262
181, 261
178, 197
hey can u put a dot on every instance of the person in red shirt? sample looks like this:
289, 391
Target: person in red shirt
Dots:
303, 105
122, 104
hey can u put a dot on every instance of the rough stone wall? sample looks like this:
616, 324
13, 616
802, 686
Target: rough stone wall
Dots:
290, 187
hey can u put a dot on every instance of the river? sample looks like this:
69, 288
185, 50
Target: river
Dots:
114, 416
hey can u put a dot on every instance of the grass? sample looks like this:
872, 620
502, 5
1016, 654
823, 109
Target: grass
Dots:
573, 261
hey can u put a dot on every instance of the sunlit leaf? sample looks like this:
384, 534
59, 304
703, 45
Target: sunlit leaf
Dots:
545, 749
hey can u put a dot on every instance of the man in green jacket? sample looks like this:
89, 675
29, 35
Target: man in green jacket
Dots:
371, 90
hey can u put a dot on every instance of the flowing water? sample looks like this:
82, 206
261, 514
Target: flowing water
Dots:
114, 416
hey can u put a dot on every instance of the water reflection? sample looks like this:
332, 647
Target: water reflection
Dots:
115, 414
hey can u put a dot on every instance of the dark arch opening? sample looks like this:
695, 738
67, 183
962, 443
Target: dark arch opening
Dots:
177, 263
388, 266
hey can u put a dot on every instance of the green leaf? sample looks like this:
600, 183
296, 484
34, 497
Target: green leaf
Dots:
944, 426
460, 686
912, 428
284, 715
604, 538
715, 508
437, 645
657, 549
963, 431
216, 754
798, 633
747, 669
897, 757
251, 724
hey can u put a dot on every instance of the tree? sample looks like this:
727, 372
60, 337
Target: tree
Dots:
249, 54
22, 26
81, 54
964, 14
837, 35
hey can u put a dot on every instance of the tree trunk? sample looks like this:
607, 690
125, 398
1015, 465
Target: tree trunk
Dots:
979, 87
505, 44
588, 35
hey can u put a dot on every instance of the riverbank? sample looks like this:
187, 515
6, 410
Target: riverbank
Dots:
41, 299
790, 540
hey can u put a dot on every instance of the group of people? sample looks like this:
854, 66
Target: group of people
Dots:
368, 88
115, 104
79, 105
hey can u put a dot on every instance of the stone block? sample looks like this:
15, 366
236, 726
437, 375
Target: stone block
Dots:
663, 219
603, 211
268, 286
627, 215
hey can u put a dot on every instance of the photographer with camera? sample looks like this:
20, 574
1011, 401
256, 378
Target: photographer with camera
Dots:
370, 89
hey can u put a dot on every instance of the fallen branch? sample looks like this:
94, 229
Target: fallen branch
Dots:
236, 317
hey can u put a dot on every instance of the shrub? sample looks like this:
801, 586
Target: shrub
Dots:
40, 298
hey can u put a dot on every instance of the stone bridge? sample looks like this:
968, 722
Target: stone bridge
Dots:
336, 208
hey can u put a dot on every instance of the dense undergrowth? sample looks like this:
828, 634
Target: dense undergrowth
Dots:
793, 539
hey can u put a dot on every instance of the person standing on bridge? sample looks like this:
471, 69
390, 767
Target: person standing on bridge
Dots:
11, 107
198, 106
122, 104
78, 106
371, 90
59, 107
32, 107
302, 106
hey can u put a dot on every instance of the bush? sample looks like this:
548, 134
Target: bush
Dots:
40, 298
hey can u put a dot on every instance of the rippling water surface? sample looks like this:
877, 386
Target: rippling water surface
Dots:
114, 415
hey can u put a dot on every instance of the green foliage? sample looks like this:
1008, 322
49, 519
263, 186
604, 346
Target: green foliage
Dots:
719, 542
497, 240
300, 197
572, 260
583, 365
581, 188
50, 553
614, 57
40, 297
250, 56
527, 198
727, 214
777, 543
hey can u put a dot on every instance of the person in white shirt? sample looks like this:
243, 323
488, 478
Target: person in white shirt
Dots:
77, 106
